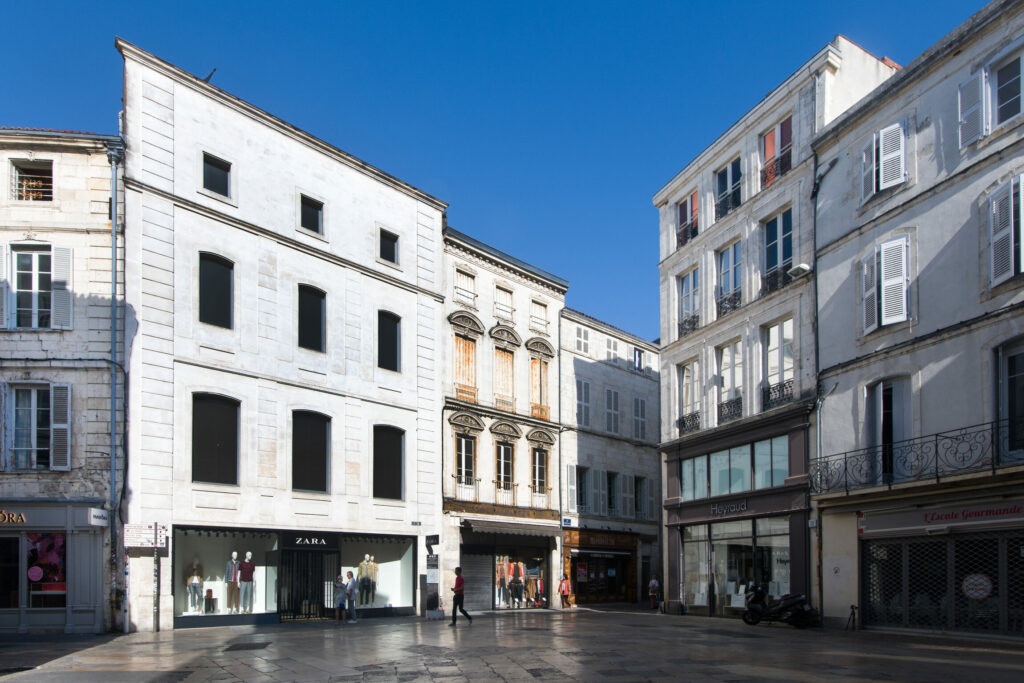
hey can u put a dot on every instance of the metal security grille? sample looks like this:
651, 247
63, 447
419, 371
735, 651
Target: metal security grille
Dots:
966, 583
306, 586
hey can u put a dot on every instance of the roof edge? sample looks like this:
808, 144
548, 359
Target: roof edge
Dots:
580, 316
553, 280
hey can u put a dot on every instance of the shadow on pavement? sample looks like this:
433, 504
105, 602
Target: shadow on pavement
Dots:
24, 652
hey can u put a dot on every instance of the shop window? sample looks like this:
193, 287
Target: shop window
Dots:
730, 470
47, 570
214, 439
696, 566
520, 581
208, 559
311, 214
771, 462
215, 290
388, 341
383, 569
582, 403
773, 565
312, 318
693, 476
388, 462
42, 433
732, 553
311, 454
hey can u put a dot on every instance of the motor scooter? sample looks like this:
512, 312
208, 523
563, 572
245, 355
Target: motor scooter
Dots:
794, 610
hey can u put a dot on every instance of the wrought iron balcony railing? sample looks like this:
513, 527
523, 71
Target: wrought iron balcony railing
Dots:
505, 493
690, 422
776, 394
728, 302
541, 496
464, 487
685, 233
777, 166
775, 279
689, 324
730, 410
727, 202
978, 448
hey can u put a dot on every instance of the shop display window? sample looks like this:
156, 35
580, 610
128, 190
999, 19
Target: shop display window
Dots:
602, 577
732, 561
695, 566
773, 553
47, 570
383, 569
520, 581
225, 572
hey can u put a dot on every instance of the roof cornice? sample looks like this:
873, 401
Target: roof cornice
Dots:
499, 258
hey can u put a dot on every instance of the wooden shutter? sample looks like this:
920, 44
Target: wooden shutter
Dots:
63, 298
891, 156
5, 288
570, 487
465, 361
894, 281
60, 427
628, 495
503, 374
651, 500
595, 489
971, 108
867, 170
602, 479
1000, 232
869, 293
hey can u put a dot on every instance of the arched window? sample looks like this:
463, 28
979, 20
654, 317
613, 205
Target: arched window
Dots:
312, 322
389, 327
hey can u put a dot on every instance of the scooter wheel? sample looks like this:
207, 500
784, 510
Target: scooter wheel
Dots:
751, 618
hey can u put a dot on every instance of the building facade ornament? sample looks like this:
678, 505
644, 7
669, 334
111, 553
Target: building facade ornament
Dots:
465, 323
540, 347
506, 429
505, 337
466, 423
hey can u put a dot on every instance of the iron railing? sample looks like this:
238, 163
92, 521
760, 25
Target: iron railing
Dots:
689, 324
727, 202
776, 395
775, 279
978, 448
538, 324
728, 302
465, 487
505, 493
32, 184
540, 496
686, 232
730, 410
777, 166
690, 422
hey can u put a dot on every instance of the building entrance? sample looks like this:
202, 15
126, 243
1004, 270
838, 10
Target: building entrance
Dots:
307, 584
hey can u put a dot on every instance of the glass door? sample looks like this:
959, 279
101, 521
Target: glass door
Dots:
732, 561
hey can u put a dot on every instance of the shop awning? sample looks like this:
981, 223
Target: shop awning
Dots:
598, 551
489, 527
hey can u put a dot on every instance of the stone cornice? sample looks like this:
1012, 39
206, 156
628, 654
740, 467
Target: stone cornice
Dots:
483, 259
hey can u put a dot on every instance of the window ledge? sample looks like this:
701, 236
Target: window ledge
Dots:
389, 264
309, 233
211, 487
34, 329
300, 494
230, 201
891, 328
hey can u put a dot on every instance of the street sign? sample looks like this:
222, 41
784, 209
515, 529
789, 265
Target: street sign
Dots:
433, 539
433, 572
141, 536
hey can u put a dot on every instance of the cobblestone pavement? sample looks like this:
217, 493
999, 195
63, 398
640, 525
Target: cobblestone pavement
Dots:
581, 645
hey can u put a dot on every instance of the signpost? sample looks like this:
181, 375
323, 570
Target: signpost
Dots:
149, 536
433, 570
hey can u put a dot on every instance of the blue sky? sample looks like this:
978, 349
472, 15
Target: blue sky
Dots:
547, 126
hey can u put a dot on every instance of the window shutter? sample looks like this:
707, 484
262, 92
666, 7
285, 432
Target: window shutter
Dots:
891, 157
570, 487
60, 427
867, 170
651, 505
628, 495
869, 293
1000, 230
595, 488
971, 108
63, 299
5, 291
894, 281
602, 477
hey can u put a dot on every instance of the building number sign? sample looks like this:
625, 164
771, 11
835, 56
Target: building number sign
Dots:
977, 586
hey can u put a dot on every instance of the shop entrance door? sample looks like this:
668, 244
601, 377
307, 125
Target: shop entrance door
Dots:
307, 584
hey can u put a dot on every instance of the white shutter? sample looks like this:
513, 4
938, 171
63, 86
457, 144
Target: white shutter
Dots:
971, 108
60, 427
869, 293
892, 159
867, 170
595, 489
894, 281
5, 289
570, 486
628, 495
63, 297
1000, 235
602, 487
651, 504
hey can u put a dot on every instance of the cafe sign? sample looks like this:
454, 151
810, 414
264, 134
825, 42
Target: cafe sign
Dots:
12, 517
937, 520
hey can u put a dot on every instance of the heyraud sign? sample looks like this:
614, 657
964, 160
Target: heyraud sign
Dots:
936, 519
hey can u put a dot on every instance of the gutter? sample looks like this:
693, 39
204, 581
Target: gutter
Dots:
115, 155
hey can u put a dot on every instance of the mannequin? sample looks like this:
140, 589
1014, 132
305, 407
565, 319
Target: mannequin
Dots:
231, 580
194, 584
373, 580
363, 579
246, 568
516, 584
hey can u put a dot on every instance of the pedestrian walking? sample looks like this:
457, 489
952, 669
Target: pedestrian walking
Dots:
350, 594
340, 592
459, 597
564, 589
652, 590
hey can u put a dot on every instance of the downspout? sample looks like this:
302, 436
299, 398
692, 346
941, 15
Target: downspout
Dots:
115, 155
561, 519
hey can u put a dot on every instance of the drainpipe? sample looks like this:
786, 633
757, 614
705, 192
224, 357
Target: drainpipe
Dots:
115, 155
561, 520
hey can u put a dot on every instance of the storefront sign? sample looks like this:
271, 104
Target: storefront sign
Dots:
309, 540
722, 509
977, 586
98, 517
1002, 512
12, 517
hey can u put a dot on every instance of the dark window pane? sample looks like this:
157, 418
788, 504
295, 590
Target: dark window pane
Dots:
9, 573
389, 247
215, 275
312, 214
387, 462
310, 450
311, 318
388, 325
214, 439
216, 174
1008, 90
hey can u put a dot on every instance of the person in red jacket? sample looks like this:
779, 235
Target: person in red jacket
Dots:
459, 589
564, 589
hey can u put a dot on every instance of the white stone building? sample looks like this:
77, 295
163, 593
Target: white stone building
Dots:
55, 380
611, 480
501, 463
738, 345
284, 352
920, 480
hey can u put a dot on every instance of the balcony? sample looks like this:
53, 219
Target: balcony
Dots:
985, 447
776, 395
464, 392
775, 279
465, 296
727, 302
540, 496
465, 487
538, 324
776, 167
689, 323
463, 493
730, 410
505, 493
690, 422
685, 233
539, 411
504, 403
503, 312
727, 203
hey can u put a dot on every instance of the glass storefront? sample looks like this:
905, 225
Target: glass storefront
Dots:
225, 572
520, 580
383, 569
695, 566
601, 576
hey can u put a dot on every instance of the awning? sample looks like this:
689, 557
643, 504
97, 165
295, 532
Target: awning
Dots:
489, 527
598, 551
